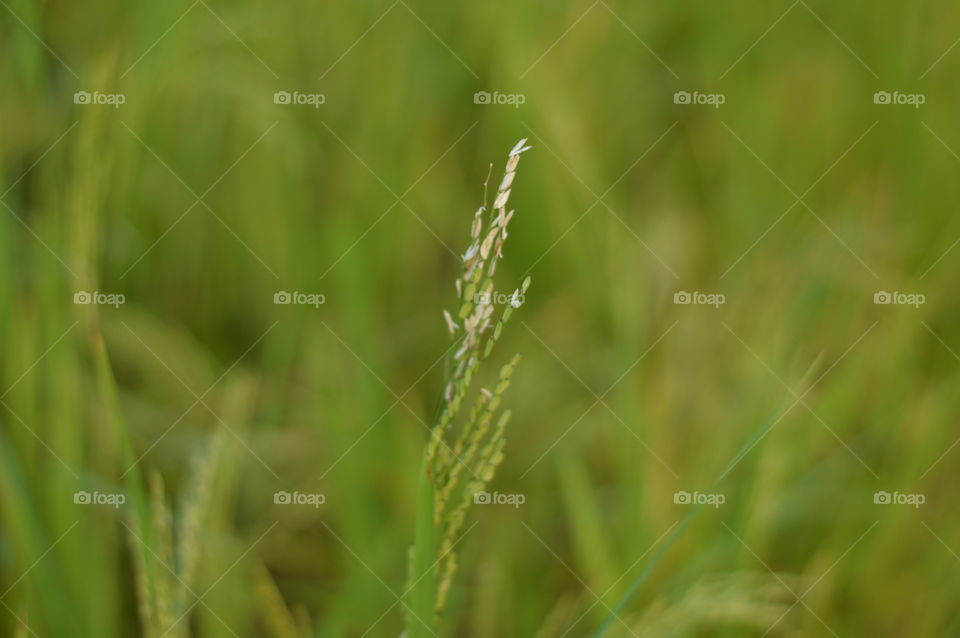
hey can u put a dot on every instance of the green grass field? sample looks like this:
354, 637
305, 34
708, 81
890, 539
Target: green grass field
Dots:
736, 413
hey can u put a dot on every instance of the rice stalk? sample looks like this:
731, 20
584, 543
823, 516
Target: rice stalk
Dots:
146, 601
164, 574
196, 503
163, 531
451, 474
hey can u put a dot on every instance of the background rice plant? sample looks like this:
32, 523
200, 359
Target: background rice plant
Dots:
200, 198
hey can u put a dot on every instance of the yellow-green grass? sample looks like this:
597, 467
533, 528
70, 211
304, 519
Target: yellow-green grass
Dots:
313, 392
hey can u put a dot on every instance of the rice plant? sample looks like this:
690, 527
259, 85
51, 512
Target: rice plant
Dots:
166, 575
462, 454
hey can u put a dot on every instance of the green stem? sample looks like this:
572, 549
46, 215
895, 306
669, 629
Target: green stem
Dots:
422, 590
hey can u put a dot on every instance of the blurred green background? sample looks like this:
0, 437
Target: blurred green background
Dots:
200, 197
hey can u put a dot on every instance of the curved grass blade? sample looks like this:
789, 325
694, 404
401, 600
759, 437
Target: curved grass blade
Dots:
654, 560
